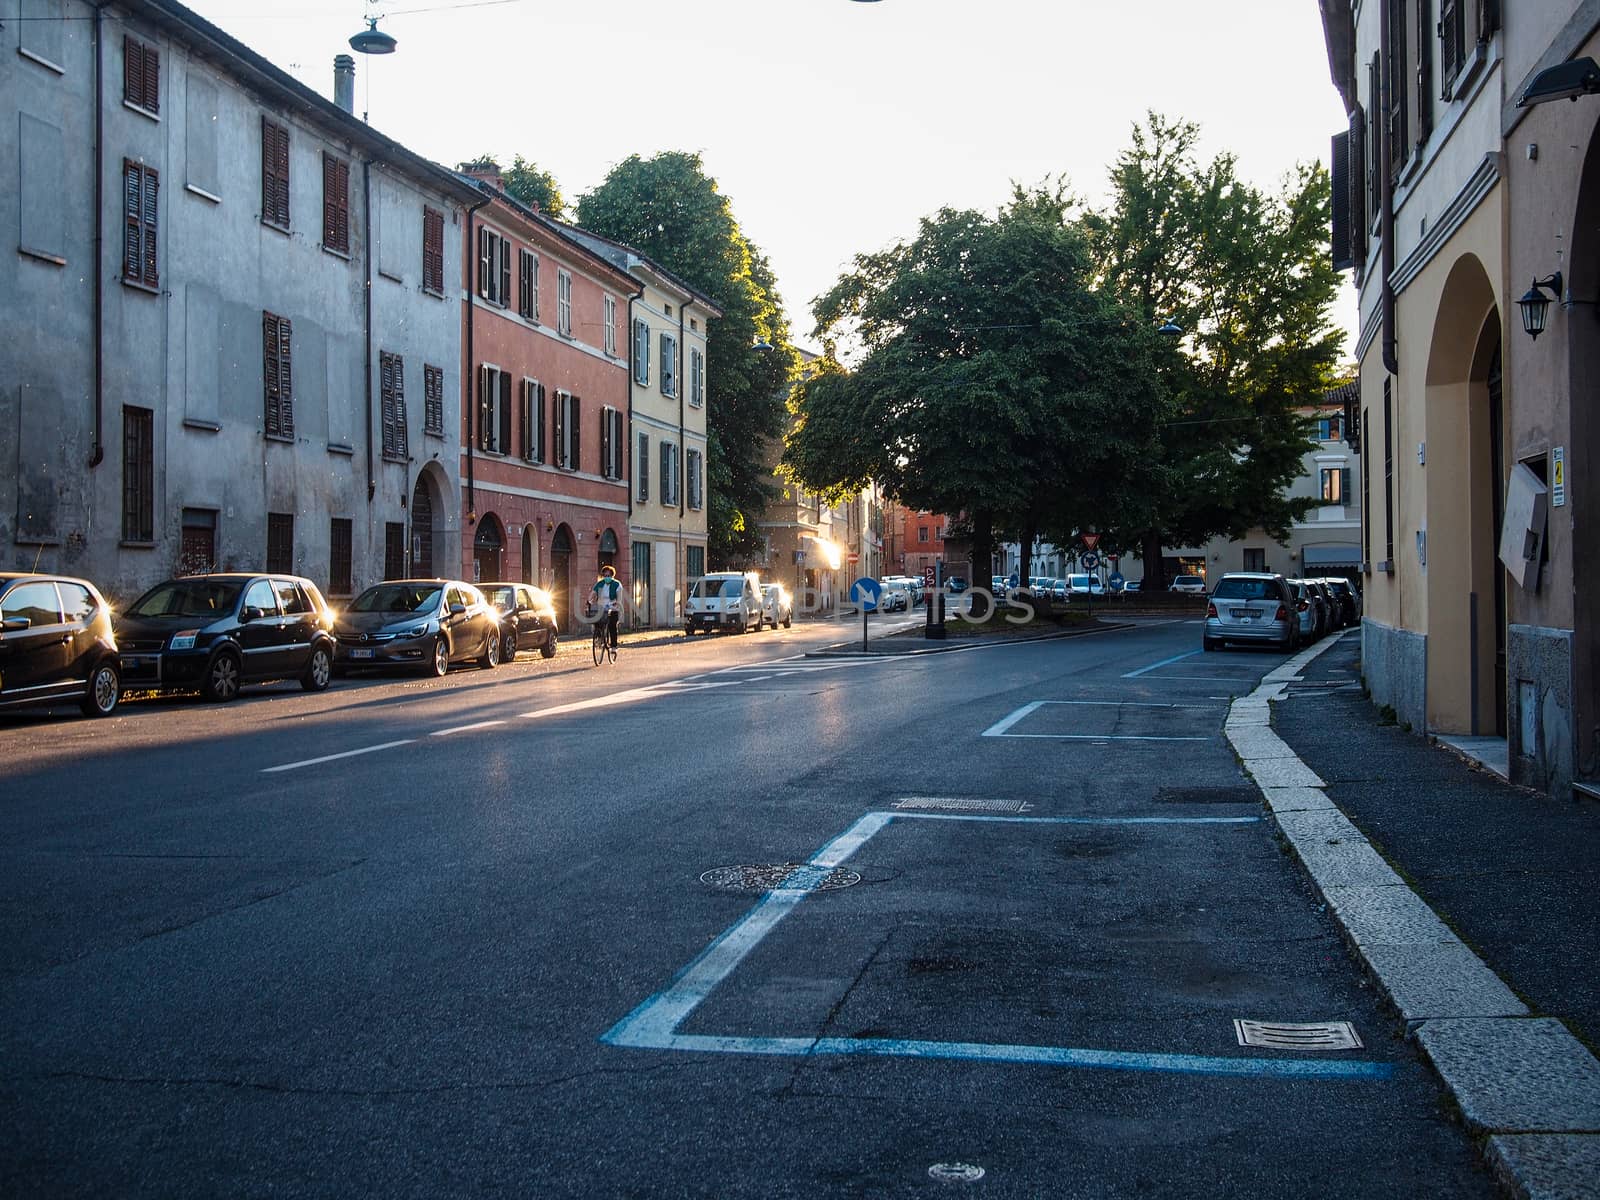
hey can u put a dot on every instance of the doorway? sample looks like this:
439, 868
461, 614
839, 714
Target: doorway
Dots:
561, 575
488, 549
422, 530
530, 554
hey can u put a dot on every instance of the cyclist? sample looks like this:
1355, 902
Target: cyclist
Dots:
606, 596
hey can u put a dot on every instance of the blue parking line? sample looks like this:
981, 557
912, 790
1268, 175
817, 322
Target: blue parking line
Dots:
653, 1025
1165, 662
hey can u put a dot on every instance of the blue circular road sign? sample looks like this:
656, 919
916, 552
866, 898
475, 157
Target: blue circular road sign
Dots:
1090, 561
865, 592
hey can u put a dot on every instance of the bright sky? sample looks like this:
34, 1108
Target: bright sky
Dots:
832, 125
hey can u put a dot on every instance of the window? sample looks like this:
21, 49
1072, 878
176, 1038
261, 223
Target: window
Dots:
277, 376
610, 305
1452, 43
1335, 485
669, 474
1255, 558
1395, 77
533, 420
274, 174
394, 550
697, 378
1422, 70
141, 74
280, 542
340, 542
641, 353
644, 467
938, 532
291, 599
138, 475
140, 191
528, 284
694, 561
922, 533
38, 602
433, 400
612, 443
566, 431
392, 394
494, 410
197, 532
696, 475
433, 251
564, 303
494, 267
1388, 476
1329, 429
335, 204
669, 365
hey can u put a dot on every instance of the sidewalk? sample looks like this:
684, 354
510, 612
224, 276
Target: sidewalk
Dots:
1513, 875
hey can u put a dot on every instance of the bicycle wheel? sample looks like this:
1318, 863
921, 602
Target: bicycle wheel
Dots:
613, 653
597, 644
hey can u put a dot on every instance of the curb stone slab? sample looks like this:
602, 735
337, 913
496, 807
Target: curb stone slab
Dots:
1391, 915
1530, 1076
1433, 982
1565, 1165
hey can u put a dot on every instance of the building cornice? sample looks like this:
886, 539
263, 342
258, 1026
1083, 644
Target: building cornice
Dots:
1465, 202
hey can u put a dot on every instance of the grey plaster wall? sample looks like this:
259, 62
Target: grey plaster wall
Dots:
1539, 727
1394, 663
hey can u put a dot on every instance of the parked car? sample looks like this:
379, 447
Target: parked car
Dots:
777, 605
1079, 586
427, 623
219, 632
725, 600
1192, 584
1332, 610
1133, 585
1310, 613
57, 645
894, 598
1251, 607
1349, 599
527, 618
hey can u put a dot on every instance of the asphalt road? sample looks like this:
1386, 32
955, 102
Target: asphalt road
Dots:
453, 938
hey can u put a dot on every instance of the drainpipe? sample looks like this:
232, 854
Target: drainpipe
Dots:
98, 454
366, 253
631, 438
472, 408
1391, 360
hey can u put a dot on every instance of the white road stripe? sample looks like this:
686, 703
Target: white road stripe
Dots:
311, 762
998, 729
465, 728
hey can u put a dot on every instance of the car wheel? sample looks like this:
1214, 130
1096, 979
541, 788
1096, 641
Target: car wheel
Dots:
222, 677
318, 671
103, 691
1209, 643
508, 646
490, 658
439, 664
548, 650
788, 621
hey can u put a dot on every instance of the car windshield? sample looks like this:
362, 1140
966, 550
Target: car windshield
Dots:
397, 598
709, 588
503, 598
1246, 589
1339, 585
189, 598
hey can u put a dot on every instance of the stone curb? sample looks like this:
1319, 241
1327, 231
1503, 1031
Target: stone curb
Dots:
853, 650
1524, 1081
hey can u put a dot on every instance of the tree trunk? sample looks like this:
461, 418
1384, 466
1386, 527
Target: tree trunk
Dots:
982, 549
1151, 543
1025, 557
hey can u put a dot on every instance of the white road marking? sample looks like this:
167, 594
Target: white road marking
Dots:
1099, 737
1157, 665
998, 729
465, 728
311, 762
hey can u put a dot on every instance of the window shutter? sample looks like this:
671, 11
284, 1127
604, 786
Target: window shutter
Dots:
285, 378
151, 96
132, 224
505, 412
505, 270
605, 442
386, 394
666, 472
269, 371
483, 262
619, 443
1424, 72
132, 70
152, 186
644, 467
562, 459
1374, 133
1488, 18
1342, 259
486, 427
575, 427
534, 309
401, 442
1449, 44
433, 399
1356, 186
538, 449
527, 420
432, 250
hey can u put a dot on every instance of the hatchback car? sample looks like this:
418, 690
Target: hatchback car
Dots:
218, 632
1249, 607
528, 618
1348, 598
57, 645
427, 623
1310, 616
1194, 585
777, 605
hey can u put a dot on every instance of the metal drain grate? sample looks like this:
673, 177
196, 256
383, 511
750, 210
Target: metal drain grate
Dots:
1208, 795
771, 877
1281, 1035
962, 804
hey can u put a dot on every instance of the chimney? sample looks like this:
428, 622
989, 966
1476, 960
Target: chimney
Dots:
485, 170
344, 82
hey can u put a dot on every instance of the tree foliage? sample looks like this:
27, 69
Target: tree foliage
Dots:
993, 378
1247, 276
669, 208
534, 187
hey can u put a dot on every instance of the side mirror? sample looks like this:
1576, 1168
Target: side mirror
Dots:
251, 613
457, 609
15, 625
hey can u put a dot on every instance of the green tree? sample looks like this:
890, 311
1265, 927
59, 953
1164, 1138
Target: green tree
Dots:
534, 187
1247, 277
669, 208
993, 379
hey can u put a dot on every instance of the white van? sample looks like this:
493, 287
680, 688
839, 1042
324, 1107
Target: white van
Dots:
727, 600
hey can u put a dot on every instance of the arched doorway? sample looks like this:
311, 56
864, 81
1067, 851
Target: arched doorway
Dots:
608, 548
422, 529
530, 553
488, 549
561, 575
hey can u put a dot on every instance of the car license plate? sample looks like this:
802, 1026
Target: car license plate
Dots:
361, 654
1248, 614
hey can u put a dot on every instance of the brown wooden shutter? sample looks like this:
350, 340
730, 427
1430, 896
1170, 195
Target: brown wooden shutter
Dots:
132, 70
335, 203
152, 189
524, 283
269, 372
274, 173
150, 97
505, 412
433, 250
285, 377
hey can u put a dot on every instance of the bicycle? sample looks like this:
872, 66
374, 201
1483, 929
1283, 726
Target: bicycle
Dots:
600, 638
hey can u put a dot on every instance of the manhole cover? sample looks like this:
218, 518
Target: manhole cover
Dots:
770, 877
955, 1172
962, 804
1280, 1035
1208, 795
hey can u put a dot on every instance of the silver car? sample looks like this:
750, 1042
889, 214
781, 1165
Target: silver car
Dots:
1251, 607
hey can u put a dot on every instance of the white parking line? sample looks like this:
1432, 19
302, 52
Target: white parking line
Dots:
311, 762
465, 728
998, 729
1156, 665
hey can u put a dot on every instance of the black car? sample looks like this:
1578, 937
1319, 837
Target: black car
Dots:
427, 623
218, 632
528, 618
57, 645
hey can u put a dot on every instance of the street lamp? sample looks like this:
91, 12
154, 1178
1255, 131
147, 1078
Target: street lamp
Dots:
1564, 81
372, 40
1170, 328
1535, 305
